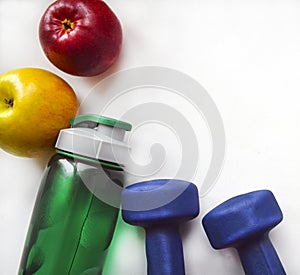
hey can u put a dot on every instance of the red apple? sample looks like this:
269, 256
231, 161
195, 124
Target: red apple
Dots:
80, 37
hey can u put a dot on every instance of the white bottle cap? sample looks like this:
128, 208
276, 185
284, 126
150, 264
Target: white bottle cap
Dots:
96, 137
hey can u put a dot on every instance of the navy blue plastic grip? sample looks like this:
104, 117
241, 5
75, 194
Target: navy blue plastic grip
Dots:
244, 222
164, 250
260, 257
160, 206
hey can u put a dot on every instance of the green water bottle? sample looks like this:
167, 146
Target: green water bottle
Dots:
77, 205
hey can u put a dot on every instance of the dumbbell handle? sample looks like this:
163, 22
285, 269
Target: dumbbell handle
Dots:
164, 250
260, 257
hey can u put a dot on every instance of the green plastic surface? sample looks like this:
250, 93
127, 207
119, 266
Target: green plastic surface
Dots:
70, 229
96, 119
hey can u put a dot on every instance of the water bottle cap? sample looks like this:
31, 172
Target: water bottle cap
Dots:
96, 137
92, 121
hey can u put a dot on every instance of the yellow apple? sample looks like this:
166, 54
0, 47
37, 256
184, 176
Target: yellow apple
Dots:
34, 105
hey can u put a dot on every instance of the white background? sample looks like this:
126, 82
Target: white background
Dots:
246, 54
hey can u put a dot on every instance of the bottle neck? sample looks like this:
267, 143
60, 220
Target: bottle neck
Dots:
88, 160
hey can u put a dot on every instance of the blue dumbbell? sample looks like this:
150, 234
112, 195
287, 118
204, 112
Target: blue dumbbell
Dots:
244, 222
160, 206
